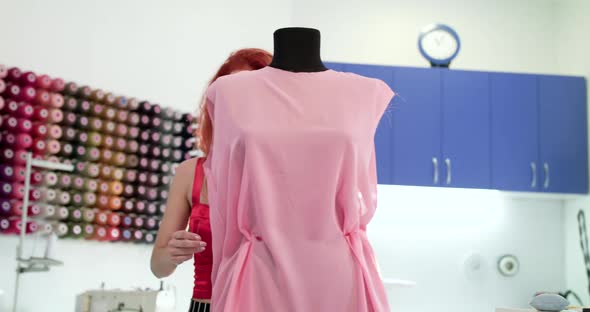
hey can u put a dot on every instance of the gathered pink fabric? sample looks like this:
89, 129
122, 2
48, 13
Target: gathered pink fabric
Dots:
292, 186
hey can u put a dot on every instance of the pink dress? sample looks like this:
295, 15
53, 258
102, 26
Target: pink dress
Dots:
292, 187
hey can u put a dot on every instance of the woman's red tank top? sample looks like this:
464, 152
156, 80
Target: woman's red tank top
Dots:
199, 224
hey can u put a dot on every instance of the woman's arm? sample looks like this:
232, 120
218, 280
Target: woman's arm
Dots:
174, 244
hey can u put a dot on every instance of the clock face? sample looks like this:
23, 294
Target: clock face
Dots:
439, 44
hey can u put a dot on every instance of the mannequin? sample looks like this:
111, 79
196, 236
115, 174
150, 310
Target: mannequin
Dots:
297, 50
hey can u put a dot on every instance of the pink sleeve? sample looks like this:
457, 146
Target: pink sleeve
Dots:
383, 96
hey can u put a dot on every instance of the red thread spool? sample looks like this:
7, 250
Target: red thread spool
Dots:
53, 147
42, 98
20, 157
25, 110
43, 82
11, 107
55, 115
55, 132
40, 114
56, 100
113, 234
23, 141
113, 219
39, 130
101, 218
27, 94
36, 177
28, 79
2, 86
57, 85
12, 91
35, 194
39, 146
14, 74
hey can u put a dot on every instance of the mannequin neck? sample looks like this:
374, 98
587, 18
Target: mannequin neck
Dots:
297, 50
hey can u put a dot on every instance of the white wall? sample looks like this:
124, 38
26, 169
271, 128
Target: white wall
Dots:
573, 59
499, 35
165, 52
426, 234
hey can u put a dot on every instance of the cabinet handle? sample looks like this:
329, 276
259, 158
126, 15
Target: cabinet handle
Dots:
435, 165
534, 170
449, 170
547, 178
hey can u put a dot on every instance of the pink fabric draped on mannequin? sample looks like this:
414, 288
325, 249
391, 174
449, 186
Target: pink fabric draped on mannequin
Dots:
292, 179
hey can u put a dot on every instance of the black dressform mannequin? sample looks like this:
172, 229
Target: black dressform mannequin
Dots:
297, 50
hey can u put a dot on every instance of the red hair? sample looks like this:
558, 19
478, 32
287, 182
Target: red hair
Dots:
244, 59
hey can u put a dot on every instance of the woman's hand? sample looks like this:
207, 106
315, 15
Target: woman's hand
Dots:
183, 245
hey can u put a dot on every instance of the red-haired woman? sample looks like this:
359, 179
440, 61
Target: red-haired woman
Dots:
188, 203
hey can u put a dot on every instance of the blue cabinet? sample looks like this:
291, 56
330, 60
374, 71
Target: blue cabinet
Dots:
515, 138
511, 132
563, 134
416, 117
466, 129
383, 134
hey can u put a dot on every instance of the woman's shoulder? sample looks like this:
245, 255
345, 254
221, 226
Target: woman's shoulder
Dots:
188, 166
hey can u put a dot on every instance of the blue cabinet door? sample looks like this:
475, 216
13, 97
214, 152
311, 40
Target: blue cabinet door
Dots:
416, 119
563, 134
383, 135
515, 139
466, 129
